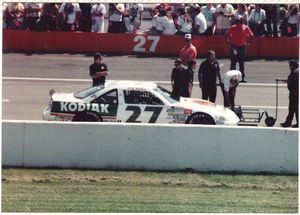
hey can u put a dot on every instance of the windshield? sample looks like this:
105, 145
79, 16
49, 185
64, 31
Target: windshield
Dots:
87, 92
165, 93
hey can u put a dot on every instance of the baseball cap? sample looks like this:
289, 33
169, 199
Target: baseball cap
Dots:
294, 63
240, 18
178, 60
210, 52
97, 55
188, 36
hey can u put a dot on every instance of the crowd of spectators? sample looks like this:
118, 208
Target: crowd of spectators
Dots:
271, 20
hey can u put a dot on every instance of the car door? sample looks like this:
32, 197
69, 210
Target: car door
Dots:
140, 106
108, 105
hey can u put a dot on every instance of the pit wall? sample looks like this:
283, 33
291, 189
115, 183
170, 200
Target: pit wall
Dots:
149, 147
82, 42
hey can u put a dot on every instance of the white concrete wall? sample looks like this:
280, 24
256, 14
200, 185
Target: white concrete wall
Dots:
150, 147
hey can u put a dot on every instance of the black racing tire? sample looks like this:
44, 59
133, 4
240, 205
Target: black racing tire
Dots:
87, 117
200, 118
270, 121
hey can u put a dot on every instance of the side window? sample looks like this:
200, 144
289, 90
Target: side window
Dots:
141, 97
111, 97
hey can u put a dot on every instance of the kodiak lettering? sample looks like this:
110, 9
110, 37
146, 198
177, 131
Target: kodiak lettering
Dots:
78, 107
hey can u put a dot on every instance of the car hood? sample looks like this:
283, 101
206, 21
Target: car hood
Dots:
199, 103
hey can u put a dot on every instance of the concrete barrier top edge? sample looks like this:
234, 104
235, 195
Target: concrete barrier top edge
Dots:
144, 124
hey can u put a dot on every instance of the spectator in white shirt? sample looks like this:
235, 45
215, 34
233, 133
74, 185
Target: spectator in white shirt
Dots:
293, 20
223, 15
69, 14
97, 12
115, 22
165, 23
184, 22
200, 22
153, 30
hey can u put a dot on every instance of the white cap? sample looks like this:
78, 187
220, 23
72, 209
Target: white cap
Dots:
187, 36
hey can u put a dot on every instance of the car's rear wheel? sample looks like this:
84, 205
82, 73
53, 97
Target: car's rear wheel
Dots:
87, 117
200, 118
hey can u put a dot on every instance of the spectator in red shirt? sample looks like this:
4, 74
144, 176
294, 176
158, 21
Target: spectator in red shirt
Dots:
188, 52
239, 36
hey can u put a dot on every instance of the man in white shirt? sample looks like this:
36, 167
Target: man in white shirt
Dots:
115, 23
165, 23
200, 22
230, 81
70, 14
97, 13
224, 13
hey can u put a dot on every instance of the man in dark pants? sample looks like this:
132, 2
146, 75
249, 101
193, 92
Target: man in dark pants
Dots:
293, 86
239, 36
207, 75
272, 14
182, 79
98, 70
230, 81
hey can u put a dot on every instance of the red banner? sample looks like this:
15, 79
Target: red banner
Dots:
261, 47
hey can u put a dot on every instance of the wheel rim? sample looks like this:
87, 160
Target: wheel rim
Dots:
87, 117
201, 118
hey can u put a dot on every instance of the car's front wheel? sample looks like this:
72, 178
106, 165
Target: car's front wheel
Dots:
87, 117
200, 118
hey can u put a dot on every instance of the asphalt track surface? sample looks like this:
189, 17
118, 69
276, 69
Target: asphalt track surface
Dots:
27, 79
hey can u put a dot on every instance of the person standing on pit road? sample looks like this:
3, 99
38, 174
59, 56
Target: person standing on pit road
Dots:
98, 70
177, 72
207, 75
238, 37
191, 70
181, 80
230, 81
293, 86
189, 51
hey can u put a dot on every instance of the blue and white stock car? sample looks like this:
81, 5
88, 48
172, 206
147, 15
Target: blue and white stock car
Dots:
136, 102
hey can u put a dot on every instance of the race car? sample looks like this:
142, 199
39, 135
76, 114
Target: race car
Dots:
135, 102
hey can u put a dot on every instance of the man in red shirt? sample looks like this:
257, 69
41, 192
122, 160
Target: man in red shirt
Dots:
239, 36
188, 52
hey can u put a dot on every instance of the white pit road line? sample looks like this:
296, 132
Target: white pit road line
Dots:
158, 82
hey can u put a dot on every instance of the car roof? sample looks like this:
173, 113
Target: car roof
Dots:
131, 84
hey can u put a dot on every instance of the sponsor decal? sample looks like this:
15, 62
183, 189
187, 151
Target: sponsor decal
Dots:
174, 111
109, 119
187, 112
78, 107
178, 114
179, 117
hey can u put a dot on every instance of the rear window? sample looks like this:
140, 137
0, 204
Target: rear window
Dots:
87, 92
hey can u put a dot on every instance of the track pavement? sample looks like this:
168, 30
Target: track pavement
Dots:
27, 79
